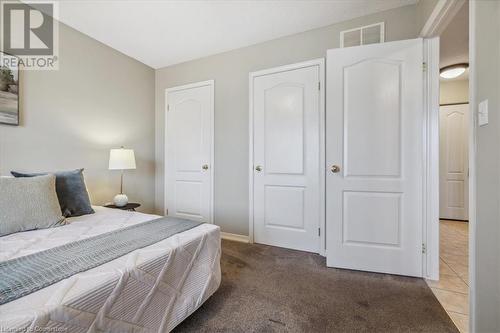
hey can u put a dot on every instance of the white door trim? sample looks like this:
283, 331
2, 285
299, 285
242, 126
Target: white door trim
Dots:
438, 20
211, 84
430, 207
316, 62
442, 14
472, 165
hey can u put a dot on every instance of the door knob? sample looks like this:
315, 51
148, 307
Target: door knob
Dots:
335, 168
258, 168
205, 167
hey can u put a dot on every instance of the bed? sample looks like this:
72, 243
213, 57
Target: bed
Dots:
151, 289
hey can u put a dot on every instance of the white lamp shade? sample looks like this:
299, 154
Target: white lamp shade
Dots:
121, 159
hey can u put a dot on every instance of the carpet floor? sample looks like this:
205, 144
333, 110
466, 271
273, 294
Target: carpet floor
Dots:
270, 289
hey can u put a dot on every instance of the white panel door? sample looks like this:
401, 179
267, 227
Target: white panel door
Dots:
454, 162
374, 133
286, 151
188, 152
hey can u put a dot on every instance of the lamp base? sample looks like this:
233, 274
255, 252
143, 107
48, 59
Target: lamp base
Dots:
120, 200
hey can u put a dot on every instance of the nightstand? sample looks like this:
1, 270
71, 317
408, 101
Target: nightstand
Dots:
131, 206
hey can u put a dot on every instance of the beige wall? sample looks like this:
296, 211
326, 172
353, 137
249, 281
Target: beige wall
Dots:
70, 118
485, 19
454, 92
230, 71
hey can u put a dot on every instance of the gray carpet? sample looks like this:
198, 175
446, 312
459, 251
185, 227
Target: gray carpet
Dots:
269, 289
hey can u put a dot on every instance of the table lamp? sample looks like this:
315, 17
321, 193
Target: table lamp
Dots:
121, 159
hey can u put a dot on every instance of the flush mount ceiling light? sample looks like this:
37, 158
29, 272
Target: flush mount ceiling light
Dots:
453, 71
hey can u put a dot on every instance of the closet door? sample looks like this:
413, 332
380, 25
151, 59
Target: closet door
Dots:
454, 162
286, 151
189, 151
374, 126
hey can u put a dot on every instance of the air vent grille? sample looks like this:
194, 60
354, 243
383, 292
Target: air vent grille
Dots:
369, 34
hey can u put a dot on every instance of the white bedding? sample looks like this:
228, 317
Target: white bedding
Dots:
148, 290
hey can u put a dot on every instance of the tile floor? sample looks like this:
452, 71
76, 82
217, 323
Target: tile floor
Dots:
452, 290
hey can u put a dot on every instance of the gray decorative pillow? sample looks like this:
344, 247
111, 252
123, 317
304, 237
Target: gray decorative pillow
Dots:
28, 203
71, 191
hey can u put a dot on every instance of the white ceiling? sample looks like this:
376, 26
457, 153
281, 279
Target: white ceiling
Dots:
162, 33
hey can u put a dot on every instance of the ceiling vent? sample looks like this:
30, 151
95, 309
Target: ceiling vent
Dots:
369, 34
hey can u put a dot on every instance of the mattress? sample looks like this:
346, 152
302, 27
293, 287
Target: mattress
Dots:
148, 290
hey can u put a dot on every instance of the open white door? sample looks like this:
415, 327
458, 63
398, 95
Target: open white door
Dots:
454, 162
374, 156
189, 151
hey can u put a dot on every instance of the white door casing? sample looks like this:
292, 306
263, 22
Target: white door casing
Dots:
287, 184
189, 163
374, 134
454, 162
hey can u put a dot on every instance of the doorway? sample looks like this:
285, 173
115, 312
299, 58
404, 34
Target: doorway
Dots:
452, 288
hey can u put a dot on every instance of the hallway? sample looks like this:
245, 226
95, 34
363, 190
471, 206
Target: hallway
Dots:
453, 287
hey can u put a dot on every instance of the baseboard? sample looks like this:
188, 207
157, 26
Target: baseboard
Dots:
234, 237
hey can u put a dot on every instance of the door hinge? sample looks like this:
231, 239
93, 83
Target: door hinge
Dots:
319, 232
424, 66
167, 211
424, 248
319, 85
168, 107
